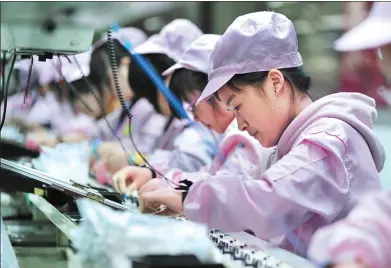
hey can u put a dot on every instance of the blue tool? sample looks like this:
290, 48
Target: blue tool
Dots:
154, 76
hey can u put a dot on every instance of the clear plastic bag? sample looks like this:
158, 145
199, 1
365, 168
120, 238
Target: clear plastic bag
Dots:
109, 239
65, 161
10, 132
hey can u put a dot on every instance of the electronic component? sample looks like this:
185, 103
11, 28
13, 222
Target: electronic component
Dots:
248, 254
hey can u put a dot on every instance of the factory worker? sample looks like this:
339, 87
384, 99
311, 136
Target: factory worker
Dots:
327, 155
36, 106
185, 145
147, 124
363, 239
101, 66
188, 77
76, 117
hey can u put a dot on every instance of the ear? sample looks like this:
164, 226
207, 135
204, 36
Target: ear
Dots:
167, 79
276, 78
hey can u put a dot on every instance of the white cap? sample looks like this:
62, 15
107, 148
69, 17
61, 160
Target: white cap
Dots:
196, 57
254, 42
71, 71
134, 35
373, 32
173, 39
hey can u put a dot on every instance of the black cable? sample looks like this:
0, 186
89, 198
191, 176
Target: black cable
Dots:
114, 69
73, 89
26, 91
3, 65
6, 91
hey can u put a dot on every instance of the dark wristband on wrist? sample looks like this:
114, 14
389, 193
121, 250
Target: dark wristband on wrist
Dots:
184, 187
154, 175
184, 195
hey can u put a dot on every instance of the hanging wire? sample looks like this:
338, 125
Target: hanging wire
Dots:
26, 91
124, 105
100, 104
5, 89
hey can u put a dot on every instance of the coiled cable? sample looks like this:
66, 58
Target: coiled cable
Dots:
100, 104
124, 105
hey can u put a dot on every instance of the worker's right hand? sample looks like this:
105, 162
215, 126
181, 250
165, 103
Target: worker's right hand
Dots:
131, 178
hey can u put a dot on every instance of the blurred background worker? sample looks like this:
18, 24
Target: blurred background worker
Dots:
363, 239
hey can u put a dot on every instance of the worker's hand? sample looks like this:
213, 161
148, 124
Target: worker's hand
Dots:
131, 178
115, 162
26, 126
167, 198
74, 138
42, 138
151, 186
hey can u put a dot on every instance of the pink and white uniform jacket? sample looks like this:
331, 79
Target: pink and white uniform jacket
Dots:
238, 153
326, 159
364, 235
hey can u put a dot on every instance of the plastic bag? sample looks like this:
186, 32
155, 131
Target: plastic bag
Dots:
65, 162
10, 132
109, 239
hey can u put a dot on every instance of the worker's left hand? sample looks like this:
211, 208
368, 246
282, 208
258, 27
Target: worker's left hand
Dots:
151, 201
74, 138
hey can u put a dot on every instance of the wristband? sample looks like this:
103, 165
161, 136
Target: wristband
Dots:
184, 187
152, 170
184, 194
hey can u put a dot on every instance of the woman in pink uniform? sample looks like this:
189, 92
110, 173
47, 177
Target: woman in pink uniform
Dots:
187, 78
363, 239
36, 104
326, 156
186, 146
68, 120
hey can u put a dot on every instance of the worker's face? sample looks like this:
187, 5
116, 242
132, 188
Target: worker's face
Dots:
123, 73
263, 111
43, 90
163, 104
386, 61
214, 116
89, 99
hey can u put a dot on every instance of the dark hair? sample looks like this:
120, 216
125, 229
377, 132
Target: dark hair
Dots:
295, 76
140, 83
184, 82
83, 86
100, 63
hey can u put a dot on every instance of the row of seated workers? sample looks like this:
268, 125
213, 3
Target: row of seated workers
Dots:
258, 153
